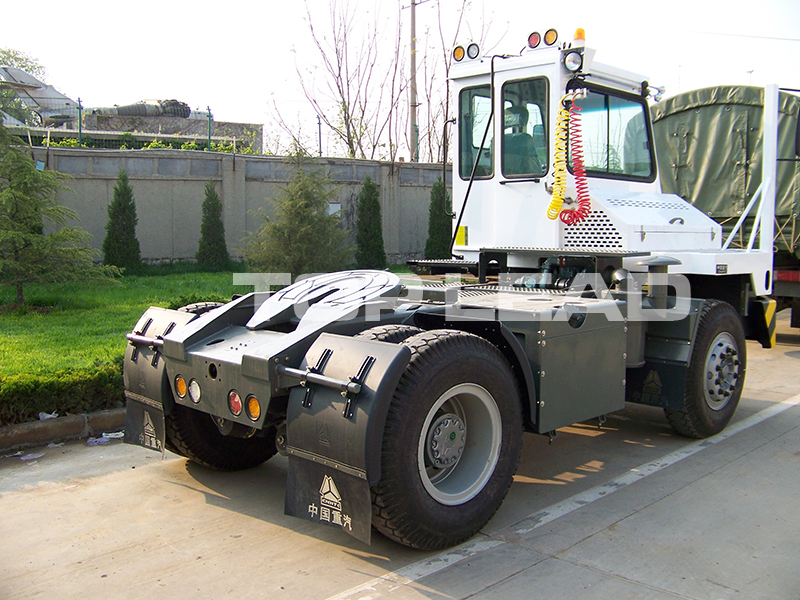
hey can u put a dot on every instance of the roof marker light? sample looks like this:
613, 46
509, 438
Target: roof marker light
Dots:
473, 50
534, 39
550, 37
458, 53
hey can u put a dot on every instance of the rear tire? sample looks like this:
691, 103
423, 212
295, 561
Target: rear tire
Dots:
451, 444
393, 334
194, 435
716, 373
199, 308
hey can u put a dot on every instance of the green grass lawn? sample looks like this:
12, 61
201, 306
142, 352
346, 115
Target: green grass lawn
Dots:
64, 351
85, 323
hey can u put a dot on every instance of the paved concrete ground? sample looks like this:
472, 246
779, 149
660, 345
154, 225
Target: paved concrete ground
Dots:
629, 510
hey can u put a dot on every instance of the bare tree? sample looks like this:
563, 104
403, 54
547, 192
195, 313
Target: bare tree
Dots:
435, 68
292, 138
357, 86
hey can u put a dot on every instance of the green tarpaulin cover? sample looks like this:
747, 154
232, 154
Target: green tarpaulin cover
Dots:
708, 144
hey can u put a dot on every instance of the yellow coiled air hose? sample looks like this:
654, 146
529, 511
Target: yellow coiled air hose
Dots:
560, 159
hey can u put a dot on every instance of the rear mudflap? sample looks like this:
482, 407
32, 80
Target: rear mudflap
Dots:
334, 437
327, 495
144, 423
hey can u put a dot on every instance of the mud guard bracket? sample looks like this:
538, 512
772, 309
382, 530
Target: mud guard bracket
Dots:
335, 453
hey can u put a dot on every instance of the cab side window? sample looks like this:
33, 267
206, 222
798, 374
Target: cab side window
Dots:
474, 112
524, 143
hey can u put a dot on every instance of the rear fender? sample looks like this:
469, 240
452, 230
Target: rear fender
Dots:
335, 448
147, 388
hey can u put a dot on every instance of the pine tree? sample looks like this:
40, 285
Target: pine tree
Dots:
370, 253
440, 224
303, 237
27, 204
212, 253
120, 246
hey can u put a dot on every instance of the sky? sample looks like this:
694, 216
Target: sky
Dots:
241, 58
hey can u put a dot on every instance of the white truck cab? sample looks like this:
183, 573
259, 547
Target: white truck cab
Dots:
524, 122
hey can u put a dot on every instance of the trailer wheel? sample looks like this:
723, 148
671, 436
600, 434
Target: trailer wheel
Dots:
193, 434
393, 334
716, 373
451, 444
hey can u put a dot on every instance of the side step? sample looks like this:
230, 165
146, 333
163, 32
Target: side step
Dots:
442, 266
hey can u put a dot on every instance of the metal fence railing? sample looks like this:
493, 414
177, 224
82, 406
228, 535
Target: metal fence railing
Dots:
113, 140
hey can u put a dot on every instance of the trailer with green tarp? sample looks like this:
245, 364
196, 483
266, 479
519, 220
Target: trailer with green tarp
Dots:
709, 152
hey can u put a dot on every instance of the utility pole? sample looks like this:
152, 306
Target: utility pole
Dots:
414, 129
208, 146
80, 123
319, 127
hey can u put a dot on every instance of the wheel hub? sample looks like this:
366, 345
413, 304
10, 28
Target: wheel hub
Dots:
722, 371
447, 438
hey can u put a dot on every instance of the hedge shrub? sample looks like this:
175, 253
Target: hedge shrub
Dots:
370, 253
212, 251
440, 224
25, 395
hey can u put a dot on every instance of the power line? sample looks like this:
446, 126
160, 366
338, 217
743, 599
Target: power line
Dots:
739, 35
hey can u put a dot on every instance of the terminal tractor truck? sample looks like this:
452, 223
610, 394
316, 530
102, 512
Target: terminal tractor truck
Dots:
401, 404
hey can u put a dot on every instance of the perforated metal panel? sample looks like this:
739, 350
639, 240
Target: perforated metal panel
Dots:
596, 231
658, 204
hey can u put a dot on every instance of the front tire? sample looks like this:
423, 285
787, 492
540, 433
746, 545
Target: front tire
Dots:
716, 373
451, 443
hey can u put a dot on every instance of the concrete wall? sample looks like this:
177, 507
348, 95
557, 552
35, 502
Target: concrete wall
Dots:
168, 188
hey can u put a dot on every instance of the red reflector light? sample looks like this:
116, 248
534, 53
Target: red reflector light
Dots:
235, 402
785, 275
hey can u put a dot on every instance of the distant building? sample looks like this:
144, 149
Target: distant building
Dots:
145, 119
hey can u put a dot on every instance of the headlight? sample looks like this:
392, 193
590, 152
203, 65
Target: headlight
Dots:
573, 61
